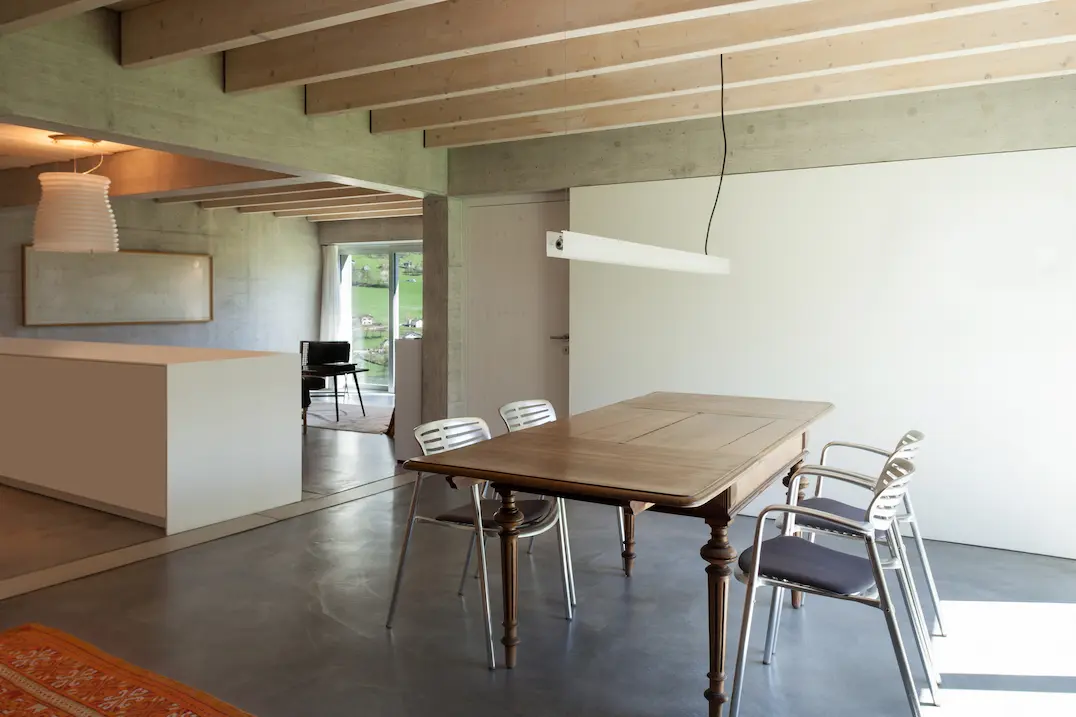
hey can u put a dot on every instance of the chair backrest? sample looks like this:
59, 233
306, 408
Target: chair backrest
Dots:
525, 414
889, 492
450, 433
908, 446
320, 353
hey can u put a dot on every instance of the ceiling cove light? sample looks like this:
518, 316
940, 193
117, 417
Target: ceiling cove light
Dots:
74, 140
602, 250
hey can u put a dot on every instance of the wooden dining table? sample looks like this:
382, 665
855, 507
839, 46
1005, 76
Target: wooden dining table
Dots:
695, 455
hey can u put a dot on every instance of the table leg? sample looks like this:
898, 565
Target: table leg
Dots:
355, 375
797, 596
629, 542
509, 518
720, 555
336, 399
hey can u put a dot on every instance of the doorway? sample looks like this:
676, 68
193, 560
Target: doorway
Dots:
386, 301
516, 330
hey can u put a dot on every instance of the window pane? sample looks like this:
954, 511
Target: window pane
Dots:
410, 292
371, 327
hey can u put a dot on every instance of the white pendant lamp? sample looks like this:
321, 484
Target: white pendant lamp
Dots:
74, 214
587, 247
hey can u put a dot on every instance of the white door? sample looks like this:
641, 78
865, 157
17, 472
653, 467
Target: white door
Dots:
516, 320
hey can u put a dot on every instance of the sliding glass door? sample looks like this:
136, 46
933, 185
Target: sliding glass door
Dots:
386, 296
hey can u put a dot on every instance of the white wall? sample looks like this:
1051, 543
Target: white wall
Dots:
937, 294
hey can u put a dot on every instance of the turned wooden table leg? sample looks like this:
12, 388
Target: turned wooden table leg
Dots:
629, 542
509, 518
720, 555
797, 596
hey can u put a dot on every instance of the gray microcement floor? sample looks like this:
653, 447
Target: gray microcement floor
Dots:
38, 532
288, 621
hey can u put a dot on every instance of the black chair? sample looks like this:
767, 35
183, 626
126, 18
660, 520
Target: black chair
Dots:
329, 359
310, 383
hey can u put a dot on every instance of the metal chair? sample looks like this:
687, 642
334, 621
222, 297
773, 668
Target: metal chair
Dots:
535, 412
792, 563
539, 515
910, 440
907, 448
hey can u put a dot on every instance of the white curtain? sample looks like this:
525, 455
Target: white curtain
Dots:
345, 300
332, 319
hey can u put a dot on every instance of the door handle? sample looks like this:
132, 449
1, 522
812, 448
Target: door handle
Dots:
563, 337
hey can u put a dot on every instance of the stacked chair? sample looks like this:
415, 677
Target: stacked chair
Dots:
794, 561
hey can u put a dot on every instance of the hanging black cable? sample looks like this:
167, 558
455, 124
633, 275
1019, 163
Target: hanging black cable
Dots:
724, 159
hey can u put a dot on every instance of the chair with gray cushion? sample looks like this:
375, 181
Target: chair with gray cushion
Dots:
789, 562
539, 515
907, 446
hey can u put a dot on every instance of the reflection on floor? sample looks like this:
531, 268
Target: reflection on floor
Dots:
288, 620
38, 532
335, 461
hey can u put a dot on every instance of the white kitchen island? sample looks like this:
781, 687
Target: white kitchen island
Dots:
175, 437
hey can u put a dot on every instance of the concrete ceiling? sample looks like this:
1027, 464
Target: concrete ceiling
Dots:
26, 147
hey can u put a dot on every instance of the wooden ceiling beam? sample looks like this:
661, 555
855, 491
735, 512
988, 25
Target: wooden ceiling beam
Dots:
451, 29
951, 37
328, 191
980, 69
175, 29
387, 201
16, 15
297, 186
407, 206
350, 218
382, 214
624, 49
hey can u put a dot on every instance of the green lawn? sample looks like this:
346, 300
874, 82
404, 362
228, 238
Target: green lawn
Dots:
374, 301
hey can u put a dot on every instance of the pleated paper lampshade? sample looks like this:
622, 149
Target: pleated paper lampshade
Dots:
74, 214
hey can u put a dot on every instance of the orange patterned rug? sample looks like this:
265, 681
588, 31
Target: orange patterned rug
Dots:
45, 673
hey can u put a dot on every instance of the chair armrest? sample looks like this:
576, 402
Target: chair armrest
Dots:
857, 479
863, 529
852, 446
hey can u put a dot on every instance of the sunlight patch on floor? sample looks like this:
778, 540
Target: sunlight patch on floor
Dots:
994, 703
1008, 638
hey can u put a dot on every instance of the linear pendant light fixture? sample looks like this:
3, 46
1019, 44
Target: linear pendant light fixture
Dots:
602, 250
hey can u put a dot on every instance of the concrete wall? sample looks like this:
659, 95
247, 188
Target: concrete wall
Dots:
362, 231
1006, 117
936, 294
65, 76
266, 274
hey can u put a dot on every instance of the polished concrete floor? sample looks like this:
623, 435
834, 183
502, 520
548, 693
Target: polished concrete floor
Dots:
38, 532
335, 461
288, 621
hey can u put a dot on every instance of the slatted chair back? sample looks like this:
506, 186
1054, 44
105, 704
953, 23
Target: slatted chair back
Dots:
908, 446
526, 414
450, 433
889, 492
